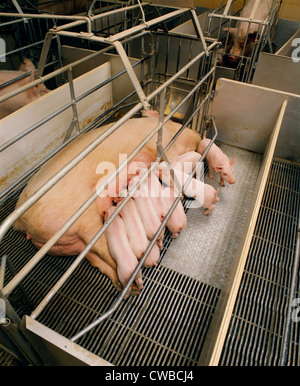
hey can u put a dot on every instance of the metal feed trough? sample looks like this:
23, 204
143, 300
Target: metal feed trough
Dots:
223, 292
224, 17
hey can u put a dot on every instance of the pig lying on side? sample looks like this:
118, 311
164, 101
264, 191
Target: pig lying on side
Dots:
53, 209
217, 161
20, 100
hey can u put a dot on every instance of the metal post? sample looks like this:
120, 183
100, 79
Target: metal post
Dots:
120, 49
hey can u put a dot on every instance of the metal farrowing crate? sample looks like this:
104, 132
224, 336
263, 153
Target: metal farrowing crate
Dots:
138, 67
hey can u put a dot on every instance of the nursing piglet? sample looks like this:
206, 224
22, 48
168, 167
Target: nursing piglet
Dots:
217, 161
146, 210
134, 228
186, 161
121, 251
177, 221
155, 192
153, 257
137, 235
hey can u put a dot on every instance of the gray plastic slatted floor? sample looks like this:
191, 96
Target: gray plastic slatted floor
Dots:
205, 248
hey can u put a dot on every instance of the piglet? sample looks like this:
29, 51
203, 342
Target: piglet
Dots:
153, 257
217, 161
121, 251
205, 194
134, 228
177, 221
146, 210
186, 161
155, 192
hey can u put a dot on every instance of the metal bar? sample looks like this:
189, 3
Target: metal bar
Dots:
96, 17
24, 75
136, 84
238, 18
44, 54
19, 9
227, 7
198, 30
146, 25
75, 120
254, 9
2, 271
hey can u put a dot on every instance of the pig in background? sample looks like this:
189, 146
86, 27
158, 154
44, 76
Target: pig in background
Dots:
20, 100
244, 34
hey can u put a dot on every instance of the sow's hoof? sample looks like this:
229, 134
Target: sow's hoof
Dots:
134, 290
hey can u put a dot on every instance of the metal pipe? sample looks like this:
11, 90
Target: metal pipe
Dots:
84, 19
146, 25
238, 18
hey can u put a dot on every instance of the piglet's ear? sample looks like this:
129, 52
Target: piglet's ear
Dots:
232, 162
218, 169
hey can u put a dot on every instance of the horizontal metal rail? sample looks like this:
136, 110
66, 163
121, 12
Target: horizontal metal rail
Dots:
238, 18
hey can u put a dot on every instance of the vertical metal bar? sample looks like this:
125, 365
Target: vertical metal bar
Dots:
75, 120
44, 54
198, 30
254, 9
228, 5
2, 271
19, 9
120, 49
